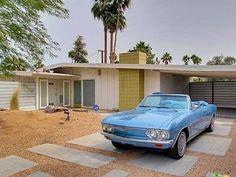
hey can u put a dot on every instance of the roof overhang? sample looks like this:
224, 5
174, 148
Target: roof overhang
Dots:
222, 71
45, 74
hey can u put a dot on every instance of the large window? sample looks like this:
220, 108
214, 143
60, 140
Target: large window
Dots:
43, 93
66, 93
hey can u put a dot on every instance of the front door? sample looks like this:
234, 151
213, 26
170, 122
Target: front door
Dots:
43, 93
52, 91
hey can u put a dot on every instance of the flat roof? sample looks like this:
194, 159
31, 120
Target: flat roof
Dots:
226, 71
46, 74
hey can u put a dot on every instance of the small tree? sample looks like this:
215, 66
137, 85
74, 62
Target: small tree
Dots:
196, 60
166, 58
145, 48
39, 64
79, 53
186, 59
221, 60
229, 60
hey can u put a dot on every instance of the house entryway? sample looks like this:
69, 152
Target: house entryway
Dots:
54, 92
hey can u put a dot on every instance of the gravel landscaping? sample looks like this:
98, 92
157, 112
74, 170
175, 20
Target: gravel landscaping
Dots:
20, 131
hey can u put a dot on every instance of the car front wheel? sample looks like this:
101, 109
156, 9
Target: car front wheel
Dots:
178, 151
118, 145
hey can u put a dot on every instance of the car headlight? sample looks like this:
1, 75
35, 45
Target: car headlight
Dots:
157, 134
107, 128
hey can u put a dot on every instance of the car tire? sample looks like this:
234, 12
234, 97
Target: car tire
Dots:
211, 126
178, 151
118, 145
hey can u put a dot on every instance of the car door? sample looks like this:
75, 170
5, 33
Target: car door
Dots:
196, 118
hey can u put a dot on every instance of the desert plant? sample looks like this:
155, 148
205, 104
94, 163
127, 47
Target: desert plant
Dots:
14, 104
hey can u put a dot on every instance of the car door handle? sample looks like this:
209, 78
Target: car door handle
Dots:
204, 110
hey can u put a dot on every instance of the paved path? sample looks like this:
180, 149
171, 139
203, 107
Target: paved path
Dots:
165, 164
116, 173
39, 174
13, 164
95, 140
66, 154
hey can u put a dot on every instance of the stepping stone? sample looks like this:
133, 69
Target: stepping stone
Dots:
221, 130
210, 145
222, 121
95, 140
116, 173
39, 174
13, 164
70, 155
165, 164
209, 174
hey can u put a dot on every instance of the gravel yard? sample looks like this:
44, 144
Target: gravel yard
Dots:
22, 130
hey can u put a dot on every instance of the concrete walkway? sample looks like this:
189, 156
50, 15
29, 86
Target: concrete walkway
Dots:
95, 140
39, 174
70, 155
116, 173
13, 164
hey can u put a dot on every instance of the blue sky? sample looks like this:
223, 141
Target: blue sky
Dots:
203, 27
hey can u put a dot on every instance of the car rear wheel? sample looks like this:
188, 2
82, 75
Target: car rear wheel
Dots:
118, 145
211, 126
178, 151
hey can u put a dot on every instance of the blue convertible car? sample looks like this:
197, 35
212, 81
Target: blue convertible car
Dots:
161, 121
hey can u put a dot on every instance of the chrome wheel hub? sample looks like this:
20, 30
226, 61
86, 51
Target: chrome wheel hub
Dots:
182, 144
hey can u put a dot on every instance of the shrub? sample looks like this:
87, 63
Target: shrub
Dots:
14, 104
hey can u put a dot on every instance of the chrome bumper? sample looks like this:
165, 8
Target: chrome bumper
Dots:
123, 139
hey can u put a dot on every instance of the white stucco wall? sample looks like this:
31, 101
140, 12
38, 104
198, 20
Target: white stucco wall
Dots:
171, 83
151, 82
106, 85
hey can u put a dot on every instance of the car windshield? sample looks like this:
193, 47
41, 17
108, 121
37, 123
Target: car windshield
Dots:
165, 101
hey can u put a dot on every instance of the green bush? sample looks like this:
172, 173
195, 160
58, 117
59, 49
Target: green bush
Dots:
14, 104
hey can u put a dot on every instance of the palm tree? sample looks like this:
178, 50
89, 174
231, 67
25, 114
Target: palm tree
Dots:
111, 21
166, 58
186, 59
196, 60
121, 6
100, 11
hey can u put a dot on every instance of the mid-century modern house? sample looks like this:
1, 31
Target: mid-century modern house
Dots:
115, 86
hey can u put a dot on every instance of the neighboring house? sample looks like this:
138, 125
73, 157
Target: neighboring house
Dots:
115, 86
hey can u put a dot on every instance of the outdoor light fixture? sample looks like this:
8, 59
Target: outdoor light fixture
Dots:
67, 113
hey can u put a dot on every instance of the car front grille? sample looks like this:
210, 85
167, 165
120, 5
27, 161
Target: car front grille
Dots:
139, 133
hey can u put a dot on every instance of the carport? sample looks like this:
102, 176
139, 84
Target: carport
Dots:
218, 86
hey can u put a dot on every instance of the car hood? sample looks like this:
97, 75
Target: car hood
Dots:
143, 118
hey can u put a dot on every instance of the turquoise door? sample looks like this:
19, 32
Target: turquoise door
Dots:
77, 89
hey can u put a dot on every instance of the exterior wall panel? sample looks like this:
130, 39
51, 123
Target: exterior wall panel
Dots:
131, 88
106, 85
151, 82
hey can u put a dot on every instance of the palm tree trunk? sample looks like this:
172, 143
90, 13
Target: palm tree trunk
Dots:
111, 48
105, 45
117, 26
